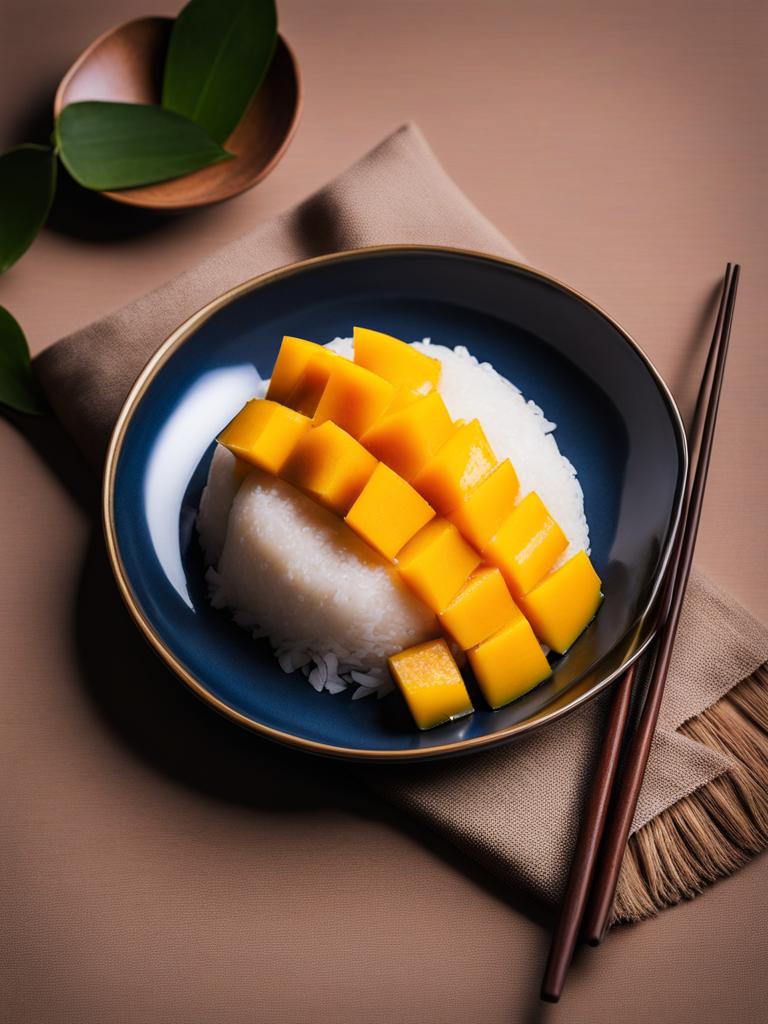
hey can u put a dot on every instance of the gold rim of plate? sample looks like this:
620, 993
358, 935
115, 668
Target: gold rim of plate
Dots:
636, 640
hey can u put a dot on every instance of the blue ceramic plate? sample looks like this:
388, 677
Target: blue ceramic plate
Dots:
617, 423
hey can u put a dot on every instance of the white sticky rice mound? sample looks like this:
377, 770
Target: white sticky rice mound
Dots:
293, 572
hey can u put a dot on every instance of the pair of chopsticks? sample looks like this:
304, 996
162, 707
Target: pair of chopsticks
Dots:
586, 906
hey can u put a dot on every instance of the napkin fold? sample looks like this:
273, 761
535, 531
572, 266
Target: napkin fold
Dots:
703, 810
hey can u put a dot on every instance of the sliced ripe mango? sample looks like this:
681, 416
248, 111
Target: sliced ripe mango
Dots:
508, 663
436, 563
481, 607
429, 679
264, 434
456, 468
403, 397
290, 365
479, 515
308, 389
388, 512
331, 466
400, 364
561, 607
406, 438
526, 545
353, 398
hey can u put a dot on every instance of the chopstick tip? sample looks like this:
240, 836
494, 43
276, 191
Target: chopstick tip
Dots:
548, 996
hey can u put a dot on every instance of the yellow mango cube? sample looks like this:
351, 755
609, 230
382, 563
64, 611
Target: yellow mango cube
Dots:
388, 512
561, 607
481, 512
508, 663
331, 466
305, 395
481, 607
402, 398
353, 398
395, 361
264, 434
429, 679
291, 363
526, 545
406, 438
436, 563
456, 468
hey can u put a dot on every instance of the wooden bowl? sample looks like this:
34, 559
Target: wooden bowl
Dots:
126, 65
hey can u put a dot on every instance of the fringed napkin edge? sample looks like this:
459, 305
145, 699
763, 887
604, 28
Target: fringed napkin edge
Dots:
717, 828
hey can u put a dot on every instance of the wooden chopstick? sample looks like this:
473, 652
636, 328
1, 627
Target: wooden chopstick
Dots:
574, 900
598, 911
572, 908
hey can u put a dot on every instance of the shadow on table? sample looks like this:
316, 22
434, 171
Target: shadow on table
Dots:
162, 722
77, 211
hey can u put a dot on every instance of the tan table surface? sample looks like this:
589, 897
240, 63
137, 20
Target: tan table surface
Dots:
622, 147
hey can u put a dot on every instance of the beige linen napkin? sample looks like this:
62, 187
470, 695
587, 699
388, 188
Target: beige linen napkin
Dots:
704, 804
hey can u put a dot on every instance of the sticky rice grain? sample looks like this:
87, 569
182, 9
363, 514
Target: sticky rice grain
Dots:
294, 572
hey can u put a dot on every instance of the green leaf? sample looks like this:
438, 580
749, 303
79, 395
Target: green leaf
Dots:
119, 145
17, 385
219, 53
27, 184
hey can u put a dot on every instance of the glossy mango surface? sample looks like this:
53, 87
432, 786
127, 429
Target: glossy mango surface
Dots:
456, 468
561, 607
508, 663
481, 607
291, 366
306, 393
331, 466
429, 679
402, 398
353, 398
482, 511
388, 512
526, 545
406, 438
264, 434
436, 563
395, 361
